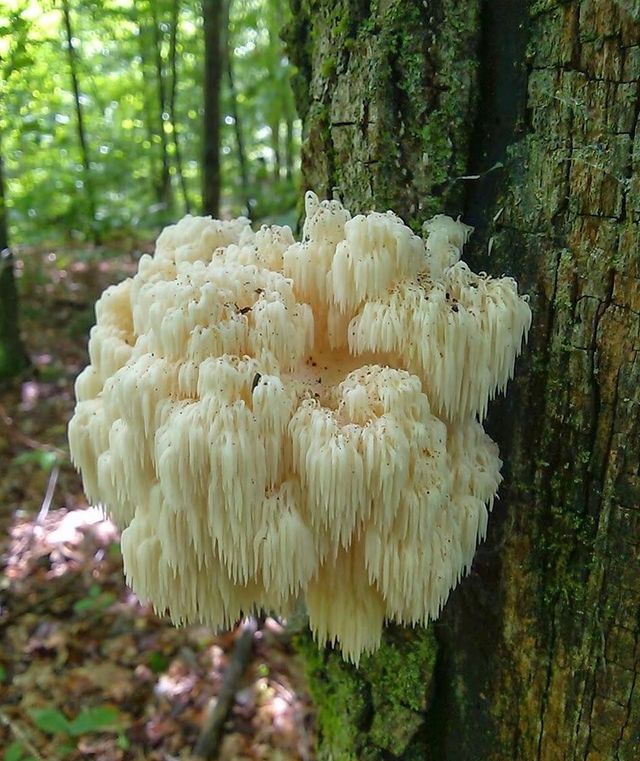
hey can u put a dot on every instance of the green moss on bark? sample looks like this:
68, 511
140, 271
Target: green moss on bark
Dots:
378, 710
386, 90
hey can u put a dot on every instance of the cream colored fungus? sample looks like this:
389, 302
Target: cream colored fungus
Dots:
268, 418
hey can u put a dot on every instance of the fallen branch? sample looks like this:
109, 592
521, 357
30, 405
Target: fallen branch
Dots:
20, 735
48, 497
219, 708
27, 440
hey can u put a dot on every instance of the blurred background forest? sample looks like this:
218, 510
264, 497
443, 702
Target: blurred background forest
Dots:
117, 117
102, 115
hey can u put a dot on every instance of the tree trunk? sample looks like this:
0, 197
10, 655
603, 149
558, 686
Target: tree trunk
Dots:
274, 126
289, 151
138, 12
12, 355
237, 124
522, 115
164, 185
82, 135
213, 13
173, 48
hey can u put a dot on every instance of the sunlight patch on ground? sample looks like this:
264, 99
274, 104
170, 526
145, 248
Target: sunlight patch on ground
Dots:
73, 637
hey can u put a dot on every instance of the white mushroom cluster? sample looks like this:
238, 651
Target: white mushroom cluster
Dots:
268, 418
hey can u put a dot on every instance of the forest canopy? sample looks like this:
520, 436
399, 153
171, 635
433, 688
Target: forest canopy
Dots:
101, 115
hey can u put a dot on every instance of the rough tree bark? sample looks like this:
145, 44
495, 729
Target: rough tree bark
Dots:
404, 102
13, 358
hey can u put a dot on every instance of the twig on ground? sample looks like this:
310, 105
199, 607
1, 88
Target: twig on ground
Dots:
56, 590
219, 709
24, 439
20, 735
48, 497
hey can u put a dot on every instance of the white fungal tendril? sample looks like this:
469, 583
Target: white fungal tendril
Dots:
267, 418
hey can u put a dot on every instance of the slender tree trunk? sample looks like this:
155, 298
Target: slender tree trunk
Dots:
237, 124
276, 110
173, 45
82, 135
164, 186
289, 150
12, 355
404, 104
154, 174
275, 147
213, 13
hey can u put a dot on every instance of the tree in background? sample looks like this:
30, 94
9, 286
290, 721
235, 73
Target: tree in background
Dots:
237, 123
164, 188
523, 116
265, 101
87, 179
13, 358
214, 14
158, 31
151, 33
281, 110
159, 177
139, 75
172, 107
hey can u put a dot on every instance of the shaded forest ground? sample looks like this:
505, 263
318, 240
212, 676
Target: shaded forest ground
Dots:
85, 670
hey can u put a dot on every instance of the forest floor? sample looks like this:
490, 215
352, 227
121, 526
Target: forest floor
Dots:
86, 671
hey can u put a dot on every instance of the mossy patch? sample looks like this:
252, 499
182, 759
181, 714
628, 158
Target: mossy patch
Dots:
396, 97
377, 709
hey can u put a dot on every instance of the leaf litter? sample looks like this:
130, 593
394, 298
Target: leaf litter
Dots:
86, 671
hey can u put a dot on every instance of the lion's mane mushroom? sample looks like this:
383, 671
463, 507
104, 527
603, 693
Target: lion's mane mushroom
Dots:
267, 418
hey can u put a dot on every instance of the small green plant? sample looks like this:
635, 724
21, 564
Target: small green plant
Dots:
41, 457
16, 752
95, 601
53, 722
157, 662
114, 551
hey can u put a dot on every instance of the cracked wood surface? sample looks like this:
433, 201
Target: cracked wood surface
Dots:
538, 649
379, 88
560, 677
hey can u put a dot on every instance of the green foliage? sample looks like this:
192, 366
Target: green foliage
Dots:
96, 719
95, 601
41, 457
120, 46
16, 752
50, 720
53, 722
114, 550
157, 662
